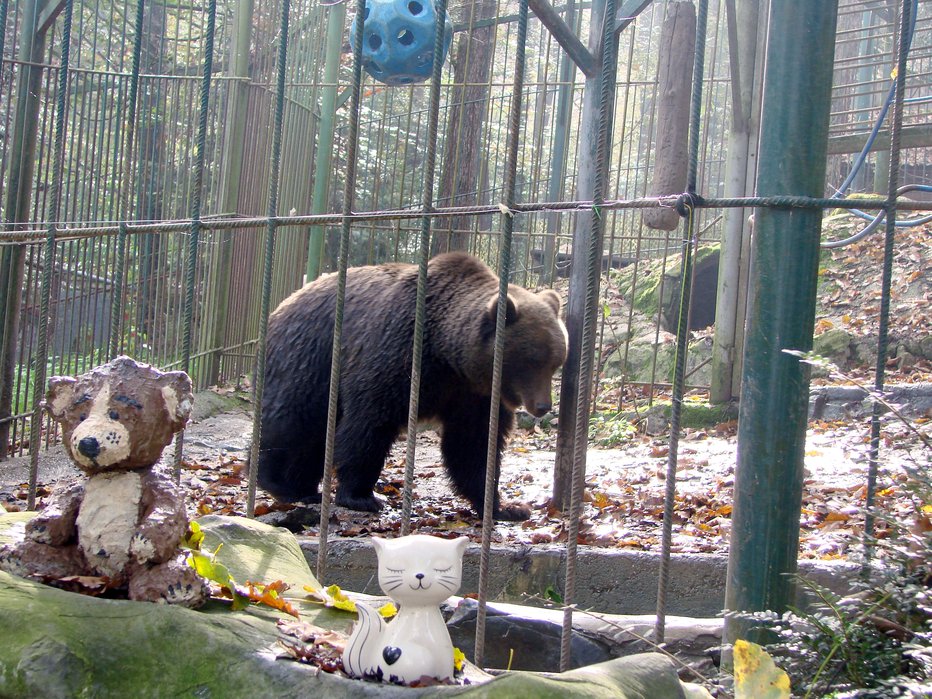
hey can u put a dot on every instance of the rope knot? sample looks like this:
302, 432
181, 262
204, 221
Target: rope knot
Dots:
688, 201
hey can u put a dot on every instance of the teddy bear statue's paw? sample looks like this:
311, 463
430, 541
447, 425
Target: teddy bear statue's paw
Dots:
142, 548
172, 582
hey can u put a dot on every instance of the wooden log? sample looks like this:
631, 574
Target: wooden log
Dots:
677, 53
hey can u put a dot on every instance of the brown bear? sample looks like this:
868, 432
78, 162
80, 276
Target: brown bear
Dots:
456, 376
126, 520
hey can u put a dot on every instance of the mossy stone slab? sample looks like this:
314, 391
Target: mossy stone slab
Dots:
62, 644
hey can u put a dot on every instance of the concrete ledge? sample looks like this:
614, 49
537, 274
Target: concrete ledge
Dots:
608, 580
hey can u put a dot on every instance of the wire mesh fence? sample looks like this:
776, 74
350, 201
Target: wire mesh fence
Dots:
191, 142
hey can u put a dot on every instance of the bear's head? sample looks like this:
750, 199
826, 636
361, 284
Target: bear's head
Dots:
535, 347
119, 416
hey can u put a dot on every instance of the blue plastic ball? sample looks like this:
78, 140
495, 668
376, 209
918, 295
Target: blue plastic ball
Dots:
398, 40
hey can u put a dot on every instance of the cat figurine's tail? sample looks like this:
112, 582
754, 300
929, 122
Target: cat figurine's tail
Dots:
365, 637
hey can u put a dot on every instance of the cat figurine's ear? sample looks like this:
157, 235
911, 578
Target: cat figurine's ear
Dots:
379, 544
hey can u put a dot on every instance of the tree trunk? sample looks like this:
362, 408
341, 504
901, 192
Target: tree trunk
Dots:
151, 138
459, 178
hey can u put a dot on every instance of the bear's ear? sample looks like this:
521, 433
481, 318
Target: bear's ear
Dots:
60, 395
552, 299
491, 310
176, 390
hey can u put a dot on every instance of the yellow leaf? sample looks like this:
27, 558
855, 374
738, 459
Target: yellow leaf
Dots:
756, 676
333, 596
388, 610
458, 658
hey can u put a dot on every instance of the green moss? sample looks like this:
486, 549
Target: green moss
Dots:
699, 415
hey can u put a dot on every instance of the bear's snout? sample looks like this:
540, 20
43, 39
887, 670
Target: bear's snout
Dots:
89, 447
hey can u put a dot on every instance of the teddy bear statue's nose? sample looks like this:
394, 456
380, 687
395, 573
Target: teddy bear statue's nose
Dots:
89, 447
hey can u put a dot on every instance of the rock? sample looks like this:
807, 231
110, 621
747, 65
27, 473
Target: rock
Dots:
528, 638
834, 344
294, 520
521, 641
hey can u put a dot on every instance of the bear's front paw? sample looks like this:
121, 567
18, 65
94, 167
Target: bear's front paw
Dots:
512, 511
363, 503
142, 548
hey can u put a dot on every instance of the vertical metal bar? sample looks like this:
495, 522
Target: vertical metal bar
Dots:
896, 128
349, 190
127, 187
784, 271
427, 199
603, 153
274, 182
54, 208
194, 234
336, 19
504, 271
682, 330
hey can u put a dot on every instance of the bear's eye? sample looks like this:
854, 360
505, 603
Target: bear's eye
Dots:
114, 415
82, 417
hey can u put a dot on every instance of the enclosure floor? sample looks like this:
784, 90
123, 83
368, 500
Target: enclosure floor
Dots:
623, 498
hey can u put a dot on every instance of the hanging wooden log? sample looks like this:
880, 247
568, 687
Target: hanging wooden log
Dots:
675, 72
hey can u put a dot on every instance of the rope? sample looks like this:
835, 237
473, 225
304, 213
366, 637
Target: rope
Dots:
504, 272
194, 239
42, 342
65, 233
352, 143
258, 385
584, 382
896, 129
423, 253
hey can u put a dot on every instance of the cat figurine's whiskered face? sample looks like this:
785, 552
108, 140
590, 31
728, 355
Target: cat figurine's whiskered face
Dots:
420, 570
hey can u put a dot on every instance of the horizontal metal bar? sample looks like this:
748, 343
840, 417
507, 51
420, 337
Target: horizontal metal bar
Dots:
910, 137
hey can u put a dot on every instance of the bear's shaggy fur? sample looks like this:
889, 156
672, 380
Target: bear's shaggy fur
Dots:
456, 376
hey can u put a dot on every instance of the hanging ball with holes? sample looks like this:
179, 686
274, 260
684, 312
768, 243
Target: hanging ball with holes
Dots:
398, 40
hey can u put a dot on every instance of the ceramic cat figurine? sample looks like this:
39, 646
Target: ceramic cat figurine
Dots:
418, 573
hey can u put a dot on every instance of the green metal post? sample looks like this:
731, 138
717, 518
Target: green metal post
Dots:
18, 204
781, 312
328, 108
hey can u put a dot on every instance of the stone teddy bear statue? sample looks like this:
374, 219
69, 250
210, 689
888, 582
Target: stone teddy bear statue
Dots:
126, 520
417, 572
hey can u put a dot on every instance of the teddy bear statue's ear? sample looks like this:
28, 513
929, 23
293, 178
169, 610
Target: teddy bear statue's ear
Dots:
59, 396
176, 389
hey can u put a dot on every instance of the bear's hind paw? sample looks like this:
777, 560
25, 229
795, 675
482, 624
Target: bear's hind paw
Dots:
512, 512
361, 503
